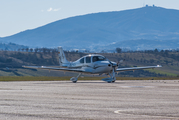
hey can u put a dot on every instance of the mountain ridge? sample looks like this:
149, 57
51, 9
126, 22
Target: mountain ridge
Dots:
101, 29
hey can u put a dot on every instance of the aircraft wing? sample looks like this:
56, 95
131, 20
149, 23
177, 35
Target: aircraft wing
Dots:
57, 68
136, 68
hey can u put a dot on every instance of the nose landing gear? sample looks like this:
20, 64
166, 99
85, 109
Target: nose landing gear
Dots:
112, 77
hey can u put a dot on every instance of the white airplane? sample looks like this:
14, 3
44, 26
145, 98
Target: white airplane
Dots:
89, 64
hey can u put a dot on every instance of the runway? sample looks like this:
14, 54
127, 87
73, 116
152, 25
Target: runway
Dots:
89, 100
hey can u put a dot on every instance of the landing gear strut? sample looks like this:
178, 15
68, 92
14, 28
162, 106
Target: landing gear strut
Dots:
75, 79
112, 77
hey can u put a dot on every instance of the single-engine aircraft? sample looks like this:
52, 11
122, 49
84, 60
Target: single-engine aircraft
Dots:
89, 64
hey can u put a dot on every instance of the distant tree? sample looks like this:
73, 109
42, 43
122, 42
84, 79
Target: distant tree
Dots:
27, 49
151, 60
54, 51
162, 51
166, 52
49, 51
166, 61
102, 51
86, 51
36, 50
118, 50
6, 49
22, 49
45, 50
141, 60
8, 60
31, 50
156, 51
41, 56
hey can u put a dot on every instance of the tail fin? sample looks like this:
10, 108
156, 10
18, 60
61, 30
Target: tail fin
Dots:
62, 59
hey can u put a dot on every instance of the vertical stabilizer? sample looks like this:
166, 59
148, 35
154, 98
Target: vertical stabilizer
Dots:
62, 59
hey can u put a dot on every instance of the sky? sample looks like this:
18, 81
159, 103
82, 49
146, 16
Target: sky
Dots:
20, 15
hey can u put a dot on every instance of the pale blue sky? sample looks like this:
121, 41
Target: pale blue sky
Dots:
20, 15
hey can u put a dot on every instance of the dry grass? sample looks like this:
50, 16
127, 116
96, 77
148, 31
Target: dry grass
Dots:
28, 78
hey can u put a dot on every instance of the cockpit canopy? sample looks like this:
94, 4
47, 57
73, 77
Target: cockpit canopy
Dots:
98, 58
92, 58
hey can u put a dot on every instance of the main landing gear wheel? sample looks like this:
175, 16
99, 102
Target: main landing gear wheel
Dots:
111, 81
75, 79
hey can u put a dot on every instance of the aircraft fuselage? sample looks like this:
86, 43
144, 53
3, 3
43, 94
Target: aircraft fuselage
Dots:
93, 64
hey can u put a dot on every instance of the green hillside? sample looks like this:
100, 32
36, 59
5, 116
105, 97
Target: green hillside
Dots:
11, 63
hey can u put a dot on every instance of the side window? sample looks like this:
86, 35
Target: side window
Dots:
88, 59
82, 60
95, 58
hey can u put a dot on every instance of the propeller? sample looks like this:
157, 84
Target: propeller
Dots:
114, 66
113, 73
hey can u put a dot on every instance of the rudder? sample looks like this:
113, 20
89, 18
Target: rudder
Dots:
62, 59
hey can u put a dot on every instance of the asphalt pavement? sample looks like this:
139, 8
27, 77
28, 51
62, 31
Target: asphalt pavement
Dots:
89, 100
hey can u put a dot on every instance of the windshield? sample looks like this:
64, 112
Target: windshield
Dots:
98, 58
82, 60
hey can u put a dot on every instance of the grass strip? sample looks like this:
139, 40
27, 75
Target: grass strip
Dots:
44, 78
